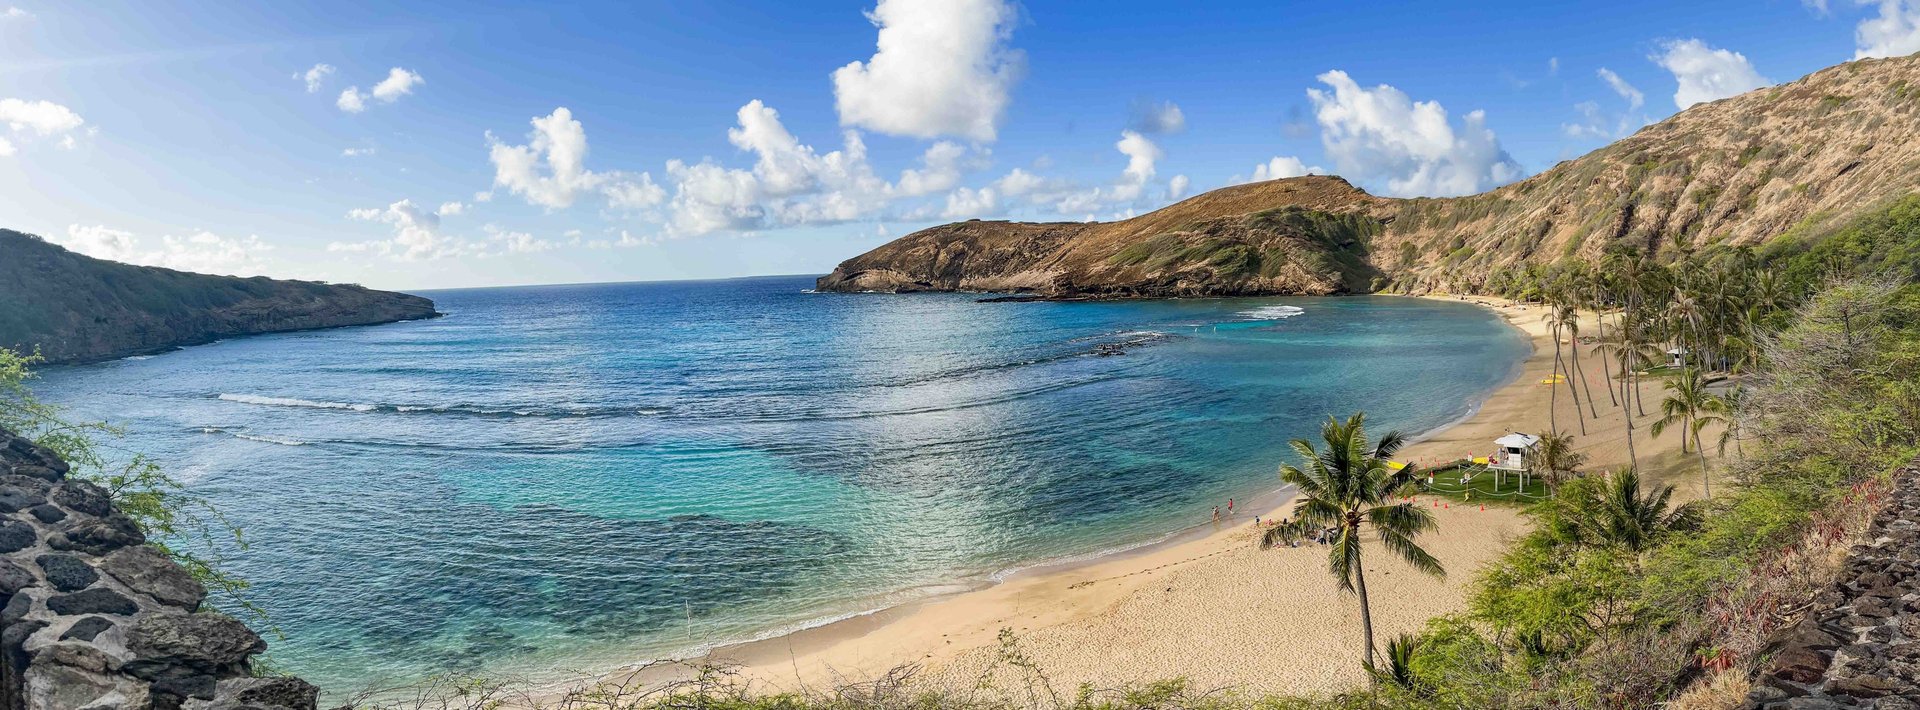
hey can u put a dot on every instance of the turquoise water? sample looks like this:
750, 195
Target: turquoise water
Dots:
573, 477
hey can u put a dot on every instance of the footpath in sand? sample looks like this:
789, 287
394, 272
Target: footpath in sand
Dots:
1215, 608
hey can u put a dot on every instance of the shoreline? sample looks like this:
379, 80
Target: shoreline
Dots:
944, 638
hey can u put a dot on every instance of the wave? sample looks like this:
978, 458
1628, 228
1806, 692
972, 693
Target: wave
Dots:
1271, 313
253, 437
565, 410
291, 402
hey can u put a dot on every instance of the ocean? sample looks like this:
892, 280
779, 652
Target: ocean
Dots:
574, 477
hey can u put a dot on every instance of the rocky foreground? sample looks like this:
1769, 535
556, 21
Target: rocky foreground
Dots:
92, 617
75, 308
1860, 645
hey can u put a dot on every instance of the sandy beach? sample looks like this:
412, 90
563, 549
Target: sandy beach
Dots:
1209, 605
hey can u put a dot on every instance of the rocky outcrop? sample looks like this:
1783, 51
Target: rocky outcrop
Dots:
1860, 646
1780, 164
91, 617
74, 308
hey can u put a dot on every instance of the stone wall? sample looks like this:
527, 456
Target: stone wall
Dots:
91, 617
1859, 646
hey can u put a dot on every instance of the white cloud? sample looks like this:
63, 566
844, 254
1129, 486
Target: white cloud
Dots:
199, 252
1280, 166
1895, 32
518, 242
399, 82
1141, 154
1634, 98
1018, 182
1162, 117
1819, 7
1177, 187
790, 184
315, 77
942, 164
357, 152
634, 193
559, 144
41, 120
1381, 134
1705, 73
416, 233
1553, 66
14, 13
941, 68
351, 100
451, 209
969, 203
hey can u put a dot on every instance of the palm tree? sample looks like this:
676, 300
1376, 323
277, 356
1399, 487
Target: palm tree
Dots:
1727, 409
1688, 405
1399, 667
1349, 485
1561, 317
1555, 453
1619, 515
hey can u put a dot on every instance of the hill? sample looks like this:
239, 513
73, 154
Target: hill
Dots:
1779, 168
76, 308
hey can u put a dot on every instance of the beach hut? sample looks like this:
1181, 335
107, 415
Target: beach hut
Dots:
1677, 357
1515, 449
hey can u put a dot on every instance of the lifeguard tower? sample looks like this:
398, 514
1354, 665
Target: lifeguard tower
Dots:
1677, 357
1515, 451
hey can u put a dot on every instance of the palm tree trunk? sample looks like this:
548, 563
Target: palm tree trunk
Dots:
1633, 458
1553, 393
1366, 612
1582, 375
1606, 370
1572, 391
1706, 482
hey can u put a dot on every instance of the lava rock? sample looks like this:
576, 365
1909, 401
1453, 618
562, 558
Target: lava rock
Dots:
92, 601
16, 536
83, 497
15, 498
47, 514
98, 537
67, 573
202, 640
87, 628
14, 578
149, 571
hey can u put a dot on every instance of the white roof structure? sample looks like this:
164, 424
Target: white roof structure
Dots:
1677, 351
1517, 441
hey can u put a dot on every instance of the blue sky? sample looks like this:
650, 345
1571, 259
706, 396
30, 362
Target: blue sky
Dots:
185, 134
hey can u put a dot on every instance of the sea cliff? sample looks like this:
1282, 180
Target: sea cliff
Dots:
74, 308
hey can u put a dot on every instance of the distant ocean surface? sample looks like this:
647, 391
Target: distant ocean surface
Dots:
556, 477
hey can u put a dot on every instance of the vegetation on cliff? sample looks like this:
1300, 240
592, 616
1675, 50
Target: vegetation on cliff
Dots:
74, 308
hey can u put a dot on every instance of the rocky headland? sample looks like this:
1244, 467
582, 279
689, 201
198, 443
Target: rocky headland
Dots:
74, 308
1776, 168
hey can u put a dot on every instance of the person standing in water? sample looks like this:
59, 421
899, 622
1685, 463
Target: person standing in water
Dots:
1229, 506
1216, 513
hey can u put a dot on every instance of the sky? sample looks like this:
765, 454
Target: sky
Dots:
452, 144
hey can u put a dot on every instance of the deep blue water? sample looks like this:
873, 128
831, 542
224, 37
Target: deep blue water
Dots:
554, 477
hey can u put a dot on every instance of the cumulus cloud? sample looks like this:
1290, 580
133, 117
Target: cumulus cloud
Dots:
1894, 32
941, 169
550, 170
1705, 73
970, 203
790, 183
1278, 167
1380, 134
351, 100
1161, 117
1634, 98
14, 13
315, 77
1143, 156
941, 68
37, 120
1177, 187
416, 233
201, 251
399, 82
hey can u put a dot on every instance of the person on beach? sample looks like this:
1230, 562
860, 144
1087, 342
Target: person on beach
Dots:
1229, 506
1216, 513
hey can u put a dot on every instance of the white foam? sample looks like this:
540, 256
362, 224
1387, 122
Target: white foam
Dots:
291, 402
1271, 313
253, 437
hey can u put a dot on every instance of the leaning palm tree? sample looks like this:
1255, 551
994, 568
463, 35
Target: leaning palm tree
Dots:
1348, 485
1619, 515
1689, 405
